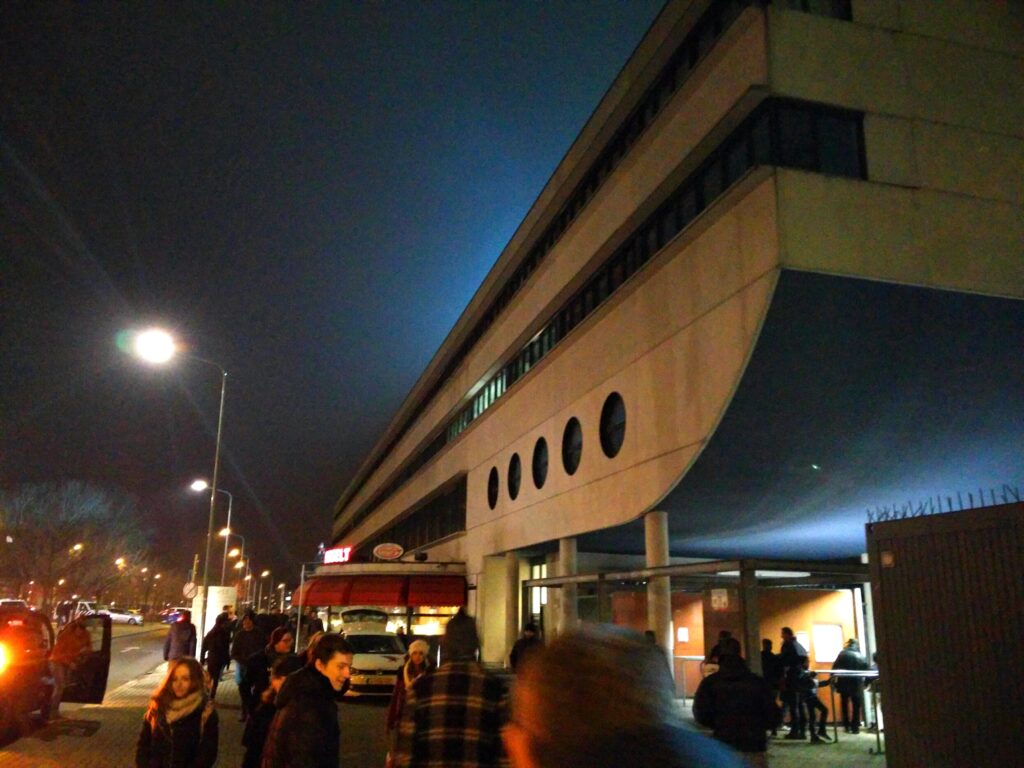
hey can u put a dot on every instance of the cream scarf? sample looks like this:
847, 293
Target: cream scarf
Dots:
178, 708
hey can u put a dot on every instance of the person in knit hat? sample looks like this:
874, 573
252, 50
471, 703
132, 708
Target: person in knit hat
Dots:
457, 692
416, 666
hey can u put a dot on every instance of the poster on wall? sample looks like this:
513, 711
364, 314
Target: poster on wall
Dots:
828, 642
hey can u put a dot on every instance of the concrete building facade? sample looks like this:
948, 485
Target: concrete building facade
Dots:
775, 210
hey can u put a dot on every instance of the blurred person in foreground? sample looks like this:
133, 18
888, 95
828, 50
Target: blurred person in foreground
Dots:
72, 647
737, 705
305, 732
603, 698
453, 715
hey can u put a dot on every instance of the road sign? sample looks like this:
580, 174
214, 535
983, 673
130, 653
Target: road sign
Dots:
190, 590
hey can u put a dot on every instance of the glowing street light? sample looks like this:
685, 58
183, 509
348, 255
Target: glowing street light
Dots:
155, 346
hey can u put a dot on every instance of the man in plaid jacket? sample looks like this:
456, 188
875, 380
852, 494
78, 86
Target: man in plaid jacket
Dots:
454, 714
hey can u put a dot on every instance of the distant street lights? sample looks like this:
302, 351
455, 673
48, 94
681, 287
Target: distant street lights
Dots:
157, 347
202, 485
259, 598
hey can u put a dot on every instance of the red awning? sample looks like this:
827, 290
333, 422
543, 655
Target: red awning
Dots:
437, 590
325, 590
384, 590
378, 590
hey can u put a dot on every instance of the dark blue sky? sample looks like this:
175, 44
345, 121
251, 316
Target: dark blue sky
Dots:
309, 194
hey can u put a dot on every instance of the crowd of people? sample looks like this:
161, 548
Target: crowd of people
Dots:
742, 708
595, 697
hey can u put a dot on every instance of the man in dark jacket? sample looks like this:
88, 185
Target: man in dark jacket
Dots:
851, 689
524, 645
603, 698
181, 638
217, 652
246, 642
257, 666
462, 696
792, 656
304, 732
737, 704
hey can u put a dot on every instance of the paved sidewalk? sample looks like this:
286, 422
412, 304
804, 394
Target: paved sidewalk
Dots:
851, 751
104, 736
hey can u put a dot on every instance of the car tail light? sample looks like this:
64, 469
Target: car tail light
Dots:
5, 658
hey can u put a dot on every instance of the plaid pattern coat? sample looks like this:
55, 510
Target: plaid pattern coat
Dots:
452, 719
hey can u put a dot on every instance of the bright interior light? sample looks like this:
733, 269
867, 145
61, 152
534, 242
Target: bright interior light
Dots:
154, 346
199, 485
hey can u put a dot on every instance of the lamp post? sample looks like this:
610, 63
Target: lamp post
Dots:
280, 603
201, 485
157, 347
259, 597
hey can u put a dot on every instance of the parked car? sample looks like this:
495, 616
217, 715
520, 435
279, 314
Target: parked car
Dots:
26, 640
12, 602
118, 616
376, 663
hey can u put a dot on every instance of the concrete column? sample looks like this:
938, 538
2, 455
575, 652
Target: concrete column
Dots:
659, 594
751, 620
567, 566
511, 601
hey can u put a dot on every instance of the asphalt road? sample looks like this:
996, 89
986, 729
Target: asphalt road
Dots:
133, 652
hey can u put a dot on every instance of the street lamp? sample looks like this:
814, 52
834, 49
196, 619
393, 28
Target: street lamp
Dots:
157, 347
259, 594
280, 604
202, 485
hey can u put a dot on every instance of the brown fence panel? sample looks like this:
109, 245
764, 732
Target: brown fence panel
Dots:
949, 600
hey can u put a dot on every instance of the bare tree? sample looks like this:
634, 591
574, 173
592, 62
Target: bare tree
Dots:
71, 531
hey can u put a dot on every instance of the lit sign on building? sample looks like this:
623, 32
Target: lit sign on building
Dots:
337, 555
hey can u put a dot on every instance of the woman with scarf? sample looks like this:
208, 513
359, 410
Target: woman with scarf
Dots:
416, 666
179, 729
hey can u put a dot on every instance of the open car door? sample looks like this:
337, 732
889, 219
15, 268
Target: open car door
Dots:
87, 682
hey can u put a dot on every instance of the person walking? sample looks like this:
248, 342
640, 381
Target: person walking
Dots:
73, 643
258, 725
460, 694
793, 657
415, 667
602, 697
850, 689
737, 705
217, 651
525, 645
181, 638
771, 671
257, 666
246, 642
179, 729
304, 732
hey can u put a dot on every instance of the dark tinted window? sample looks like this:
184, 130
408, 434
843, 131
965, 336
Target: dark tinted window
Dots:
492, 488
515, 476
613, 425
572, 446
796, 138
540, 462
839, 141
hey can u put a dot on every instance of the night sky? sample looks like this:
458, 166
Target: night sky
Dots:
308, 194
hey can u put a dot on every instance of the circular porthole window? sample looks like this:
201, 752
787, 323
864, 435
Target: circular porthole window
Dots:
572, 446
613, 425
492, 488
540, 463
515, 476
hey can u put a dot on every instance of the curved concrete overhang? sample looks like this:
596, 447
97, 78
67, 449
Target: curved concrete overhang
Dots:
859, 394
